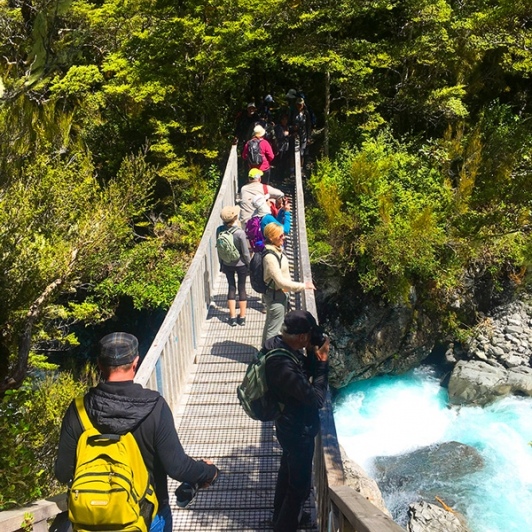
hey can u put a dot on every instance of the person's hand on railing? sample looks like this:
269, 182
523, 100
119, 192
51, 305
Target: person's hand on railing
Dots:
309, 285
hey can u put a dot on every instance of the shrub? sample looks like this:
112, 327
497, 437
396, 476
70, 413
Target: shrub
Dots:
30, 423
395, 214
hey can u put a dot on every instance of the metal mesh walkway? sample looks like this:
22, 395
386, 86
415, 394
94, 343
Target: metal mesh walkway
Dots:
211, 424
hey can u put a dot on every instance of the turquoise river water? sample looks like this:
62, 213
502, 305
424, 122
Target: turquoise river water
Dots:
388, 416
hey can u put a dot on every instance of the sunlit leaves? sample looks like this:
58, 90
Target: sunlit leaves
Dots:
78, 79
392, 217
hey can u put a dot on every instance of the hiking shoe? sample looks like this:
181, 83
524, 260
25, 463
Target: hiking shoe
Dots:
241, 321
232, 322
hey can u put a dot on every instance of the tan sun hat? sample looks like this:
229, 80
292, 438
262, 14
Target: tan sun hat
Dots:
230, 213
259, 131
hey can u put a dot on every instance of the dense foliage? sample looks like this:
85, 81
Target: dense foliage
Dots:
30, 422
434, 187
392, 214
115, 118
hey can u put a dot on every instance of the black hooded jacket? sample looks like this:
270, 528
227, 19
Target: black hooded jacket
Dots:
120, 407
291, 385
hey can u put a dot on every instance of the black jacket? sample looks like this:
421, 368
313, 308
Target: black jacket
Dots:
120, 407
290, 384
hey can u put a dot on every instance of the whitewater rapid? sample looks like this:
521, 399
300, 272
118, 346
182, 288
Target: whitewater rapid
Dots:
389, 416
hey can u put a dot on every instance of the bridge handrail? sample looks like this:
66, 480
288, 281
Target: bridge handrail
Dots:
166, 364
34, 516
339, 507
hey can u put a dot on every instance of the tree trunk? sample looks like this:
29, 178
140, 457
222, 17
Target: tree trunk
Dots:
20, 369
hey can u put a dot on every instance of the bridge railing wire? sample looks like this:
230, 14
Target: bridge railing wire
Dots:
167, 362
339, 507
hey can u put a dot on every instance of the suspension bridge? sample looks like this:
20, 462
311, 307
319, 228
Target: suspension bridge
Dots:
196, 362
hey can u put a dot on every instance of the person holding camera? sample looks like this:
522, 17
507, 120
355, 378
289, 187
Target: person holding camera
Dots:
264, 212
296, 428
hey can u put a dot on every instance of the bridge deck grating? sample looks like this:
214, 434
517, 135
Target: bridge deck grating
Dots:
212, 425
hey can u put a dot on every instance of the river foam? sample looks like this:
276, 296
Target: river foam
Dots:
389, 416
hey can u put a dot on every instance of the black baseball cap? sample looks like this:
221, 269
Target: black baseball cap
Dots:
299, 322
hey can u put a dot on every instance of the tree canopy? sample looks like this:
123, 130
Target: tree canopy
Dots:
116, 117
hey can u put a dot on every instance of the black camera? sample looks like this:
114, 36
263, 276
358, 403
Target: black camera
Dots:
317, 337
185, 493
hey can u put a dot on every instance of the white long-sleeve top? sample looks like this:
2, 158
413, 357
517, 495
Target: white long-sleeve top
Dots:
279, 274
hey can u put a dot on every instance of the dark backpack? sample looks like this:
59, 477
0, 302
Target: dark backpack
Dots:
254, 396
254, 234
254, 154
256, 271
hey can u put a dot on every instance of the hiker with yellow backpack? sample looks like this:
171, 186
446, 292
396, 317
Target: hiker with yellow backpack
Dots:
117, 447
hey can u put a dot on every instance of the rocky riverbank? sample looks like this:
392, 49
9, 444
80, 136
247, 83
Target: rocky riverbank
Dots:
497, 359
494, 362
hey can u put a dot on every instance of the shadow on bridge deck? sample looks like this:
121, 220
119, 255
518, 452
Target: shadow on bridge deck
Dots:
211, 424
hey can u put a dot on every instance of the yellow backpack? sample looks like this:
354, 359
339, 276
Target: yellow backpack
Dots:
111, 488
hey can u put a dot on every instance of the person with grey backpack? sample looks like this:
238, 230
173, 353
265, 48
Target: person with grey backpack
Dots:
233, 254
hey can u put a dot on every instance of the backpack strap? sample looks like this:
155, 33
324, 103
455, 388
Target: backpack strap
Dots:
279, 351
265, 252
82, 413
86, 423
231, 229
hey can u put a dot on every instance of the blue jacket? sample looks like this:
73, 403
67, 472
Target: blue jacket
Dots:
284, 218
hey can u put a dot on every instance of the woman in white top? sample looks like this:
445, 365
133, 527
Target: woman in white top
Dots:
277, 276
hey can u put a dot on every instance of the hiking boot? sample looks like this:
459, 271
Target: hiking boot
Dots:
232, 322
241, 321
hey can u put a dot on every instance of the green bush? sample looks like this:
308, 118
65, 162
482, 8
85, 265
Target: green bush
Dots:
383, 213
399, 213
30, 423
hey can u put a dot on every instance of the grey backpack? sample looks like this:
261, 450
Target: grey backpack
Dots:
254, 154
225, 245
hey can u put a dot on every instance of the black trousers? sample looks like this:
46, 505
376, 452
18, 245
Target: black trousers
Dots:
242, 273
293, 480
